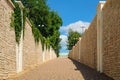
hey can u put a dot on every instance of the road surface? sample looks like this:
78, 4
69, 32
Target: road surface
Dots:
62, 69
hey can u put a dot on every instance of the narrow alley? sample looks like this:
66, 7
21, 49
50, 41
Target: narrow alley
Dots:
62, 69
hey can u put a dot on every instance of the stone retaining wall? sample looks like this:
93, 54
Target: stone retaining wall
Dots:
32, 53
85, 49
111, 39
88, 45
12, 58
100, 44
7, 40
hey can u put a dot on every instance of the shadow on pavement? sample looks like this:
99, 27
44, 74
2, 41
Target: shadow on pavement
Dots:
89, 73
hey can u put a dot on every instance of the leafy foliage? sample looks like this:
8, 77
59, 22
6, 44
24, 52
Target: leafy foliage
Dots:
48, 22
24, 19
36, 33
16, 21
73, 37
44, 23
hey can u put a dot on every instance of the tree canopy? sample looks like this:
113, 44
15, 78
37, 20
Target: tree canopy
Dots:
46, 21
73, 37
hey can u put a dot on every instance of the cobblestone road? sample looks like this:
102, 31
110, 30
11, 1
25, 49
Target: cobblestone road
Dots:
62, 69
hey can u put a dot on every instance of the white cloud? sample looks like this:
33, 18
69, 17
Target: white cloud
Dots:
63, 41
76, 26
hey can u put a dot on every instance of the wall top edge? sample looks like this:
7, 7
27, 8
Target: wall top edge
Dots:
107, 3
100, 5
28, 21
102, 2
13, 6
20, 4
89, 26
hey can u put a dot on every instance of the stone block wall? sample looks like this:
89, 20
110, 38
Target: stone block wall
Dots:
7, 40
47, 55
32, 53
85, 50
12, 59
70, 54
76, 52
73, 52
108, 30
111, 39
88, 46
52, 54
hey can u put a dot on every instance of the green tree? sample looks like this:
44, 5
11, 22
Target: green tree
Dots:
73, 37
48, 22
53, 31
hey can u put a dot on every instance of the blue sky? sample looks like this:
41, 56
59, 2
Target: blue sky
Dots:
75, 14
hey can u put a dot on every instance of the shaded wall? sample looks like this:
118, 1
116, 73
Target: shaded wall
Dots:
89, 45
111, 39
76, 51
85, 49
109, 25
